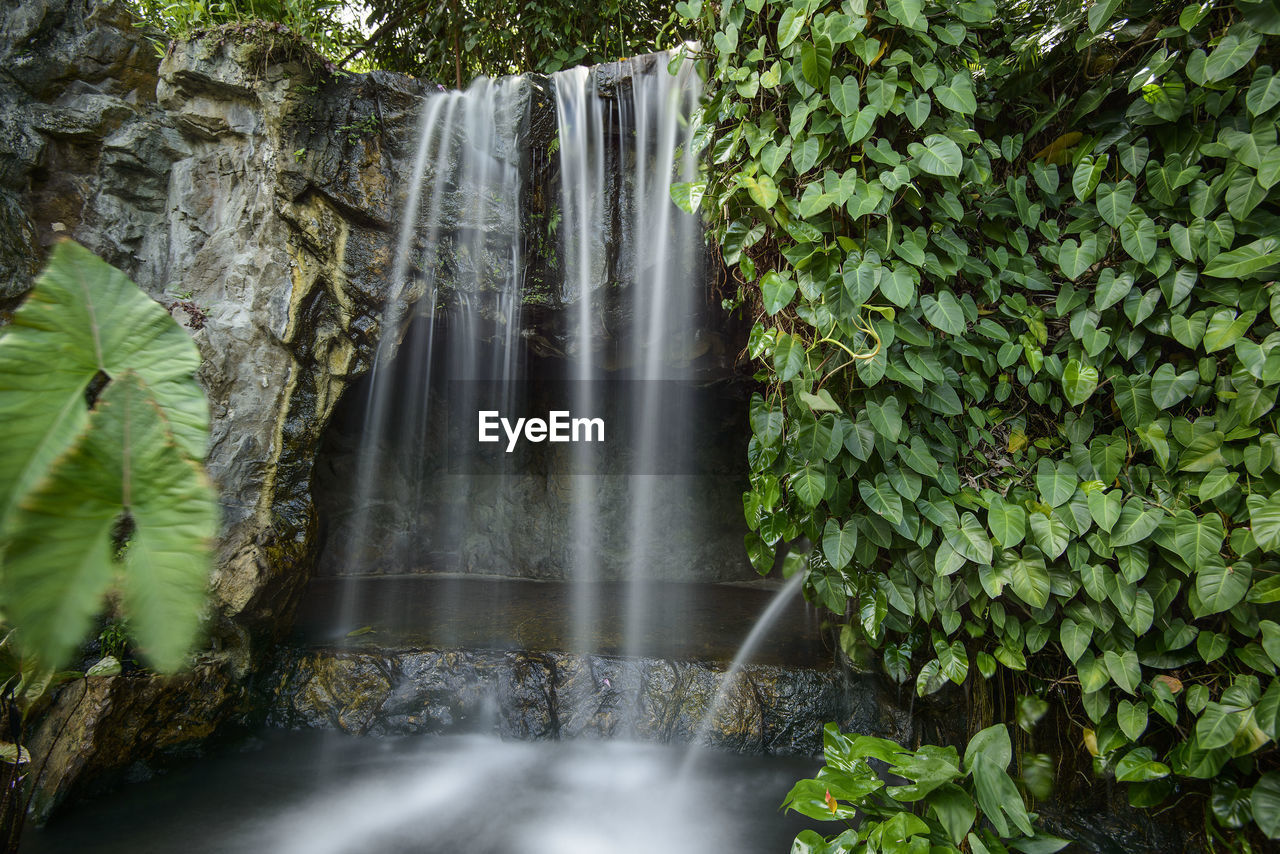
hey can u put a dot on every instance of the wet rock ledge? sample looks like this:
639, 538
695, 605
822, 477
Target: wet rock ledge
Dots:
768, 710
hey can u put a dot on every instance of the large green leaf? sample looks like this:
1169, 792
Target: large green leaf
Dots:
1114, 203
1218, 725
1029, 576
1078, 382
970, 540
908, 12
1007, 521
838, 542
845, 94
1264, 91
1133, 399
1168, 387
1264, 520
1266, 804
916, 109
1232, 53
1056, 483
957, 93
59, 564
1050, 534
954, 809
886, 418
1075, 638
1132, 718
1221, 586
84, 317
815, 62
943, 312
1139, 766
1075, 258
1105, 508
766, 421
938, 155
810, 484
788, 356
998, 796
1135, 524
1124, 669
881, 498
1245, 261
790, 25
918, 456
778, 291
899, 285
688, 195
1138, 237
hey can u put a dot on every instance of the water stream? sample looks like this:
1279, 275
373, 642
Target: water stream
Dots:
750, 647
644, 134
457, 269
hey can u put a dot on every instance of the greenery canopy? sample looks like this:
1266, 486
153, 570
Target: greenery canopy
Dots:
455, 41
448, 42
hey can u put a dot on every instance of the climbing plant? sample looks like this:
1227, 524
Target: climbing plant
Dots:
1012, 270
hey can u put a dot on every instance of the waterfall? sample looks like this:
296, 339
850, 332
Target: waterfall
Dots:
580, 123
625, 530
454, 307
645, 135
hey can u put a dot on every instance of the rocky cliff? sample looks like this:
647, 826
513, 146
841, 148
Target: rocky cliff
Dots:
250, 191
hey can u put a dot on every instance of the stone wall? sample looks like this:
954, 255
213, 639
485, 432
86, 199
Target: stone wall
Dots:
767, 710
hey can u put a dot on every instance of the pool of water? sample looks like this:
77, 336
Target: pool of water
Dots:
321, 793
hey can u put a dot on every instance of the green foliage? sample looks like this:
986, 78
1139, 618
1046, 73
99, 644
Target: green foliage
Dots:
943, 805
324, 24
101, 486
453, 42
1025, 256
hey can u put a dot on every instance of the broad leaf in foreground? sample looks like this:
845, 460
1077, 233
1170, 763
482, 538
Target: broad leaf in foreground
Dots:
126, 470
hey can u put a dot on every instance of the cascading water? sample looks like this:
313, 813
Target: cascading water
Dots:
580, 121
745, 652
646, 136
457, 267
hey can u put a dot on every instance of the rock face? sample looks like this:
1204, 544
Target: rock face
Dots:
767, 709
188, 174
107, 725
202, 176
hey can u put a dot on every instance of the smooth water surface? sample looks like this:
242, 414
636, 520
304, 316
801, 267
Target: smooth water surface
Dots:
314, 793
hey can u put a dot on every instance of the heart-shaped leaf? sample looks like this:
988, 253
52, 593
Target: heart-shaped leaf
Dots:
938, 155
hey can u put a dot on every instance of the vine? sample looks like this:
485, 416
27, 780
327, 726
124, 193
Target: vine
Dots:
1052, 229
